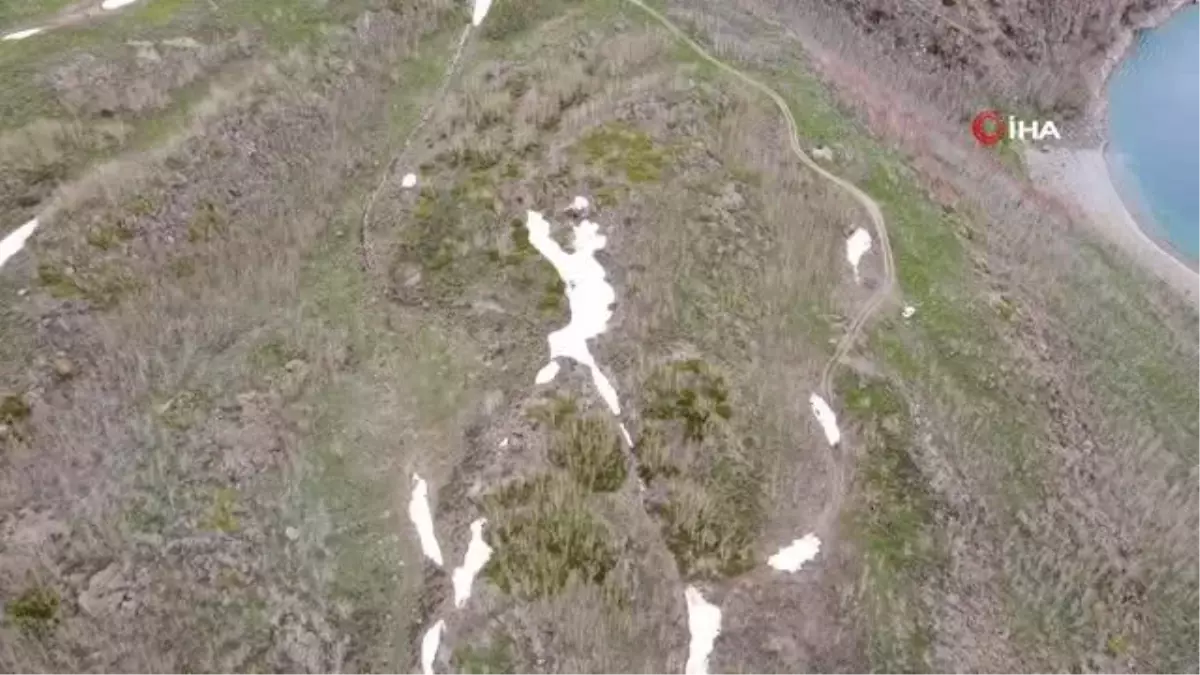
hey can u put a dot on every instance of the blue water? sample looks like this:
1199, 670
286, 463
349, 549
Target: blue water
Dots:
1154, 130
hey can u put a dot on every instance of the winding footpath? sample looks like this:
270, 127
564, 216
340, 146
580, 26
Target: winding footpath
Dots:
873, 211
365, 245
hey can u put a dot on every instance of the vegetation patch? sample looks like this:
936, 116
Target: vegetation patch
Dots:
207, 223
221, 516
654, 460
710, 524
13, 409
544, 535
451, 243
273, 355
589, 449
894, 523
496, 656
105, 237
713, 511
691, 393
620, 148
184, 410
103, 287
34, 611
507, 20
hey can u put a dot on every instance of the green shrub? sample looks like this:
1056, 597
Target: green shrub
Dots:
589, 449
688, 391
711, 525
544, 537
13, 409
35, 610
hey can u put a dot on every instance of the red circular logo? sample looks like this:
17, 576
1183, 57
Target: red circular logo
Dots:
988, 127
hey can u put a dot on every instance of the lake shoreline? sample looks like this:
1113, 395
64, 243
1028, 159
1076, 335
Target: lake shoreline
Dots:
1095, 118
1082, 179
1082, 175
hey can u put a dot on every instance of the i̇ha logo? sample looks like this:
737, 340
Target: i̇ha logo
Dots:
989, 127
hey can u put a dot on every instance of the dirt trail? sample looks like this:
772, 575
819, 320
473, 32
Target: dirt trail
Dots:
367, 252
876, 300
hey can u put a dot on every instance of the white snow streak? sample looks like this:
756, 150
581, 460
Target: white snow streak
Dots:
429, 646
115, 4
792, 557
15, 240
22, 34
826, 418
588, 294
579, 205
547, 373
704, 624
418, 512
481, 10
857, 245
478, 553
409, 180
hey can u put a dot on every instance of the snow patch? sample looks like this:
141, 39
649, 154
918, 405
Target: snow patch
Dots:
418, 512
15, 240
792, 557
115, 4
547, 373
579, 205
478, 553
704, 624
409, 180
826, 418
589, 295
481, 10
429, 646
857, 245
22, 34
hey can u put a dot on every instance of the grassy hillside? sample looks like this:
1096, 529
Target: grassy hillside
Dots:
213, 407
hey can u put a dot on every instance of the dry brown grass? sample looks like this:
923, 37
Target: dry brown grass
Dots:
159, 479
218, 480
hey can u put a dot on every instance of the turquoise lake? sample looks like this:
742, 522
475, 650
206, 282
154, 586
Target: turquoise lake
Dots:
1154, 131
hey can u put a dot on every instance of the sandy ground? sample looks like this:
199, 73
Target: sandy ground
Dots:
1081, 178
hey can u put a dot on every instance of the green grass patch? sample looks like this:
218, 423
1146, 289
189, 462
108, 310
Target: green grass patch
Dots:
894, 521
105, 237
589, 449
690, 392
102, 286
222, 513
620, 148
13, 409
207, 222
711, 524
544, 535
507, 20
35, 611
654, 456
714, 511
16, 14
273, 355
496, 656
